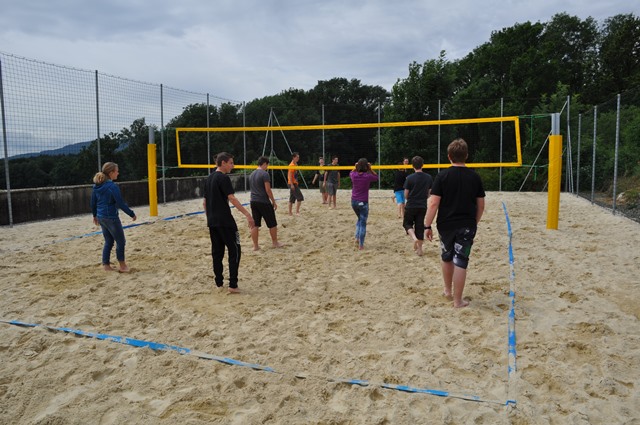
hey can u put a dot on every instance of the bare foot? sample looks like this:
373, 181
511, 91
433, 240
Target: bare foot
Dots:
256, 248
415, 245
234, 291
278, 245
463, 303
447, 296
108, 268
361, 247
124, 270
419, 251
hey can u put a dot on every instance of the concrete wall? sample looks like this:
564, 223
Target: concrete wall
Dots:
57, 202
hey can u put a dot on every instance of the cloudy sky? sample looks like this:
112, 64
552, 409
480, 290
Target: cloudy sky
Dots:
247, 49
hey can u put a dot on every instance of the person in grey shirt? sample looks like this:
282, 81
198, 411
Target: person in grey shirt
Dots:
263, 204
332, 182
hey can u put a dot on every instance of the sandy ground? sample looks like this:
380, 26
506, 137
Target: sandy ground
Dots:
318, 312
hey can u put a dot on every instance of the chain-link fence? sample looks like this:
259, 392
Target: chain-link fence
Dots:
605, 153
50, 111
59, 124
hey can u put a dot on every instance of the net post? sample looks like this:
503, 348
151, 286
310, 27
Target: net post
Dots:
151, 166
555, 172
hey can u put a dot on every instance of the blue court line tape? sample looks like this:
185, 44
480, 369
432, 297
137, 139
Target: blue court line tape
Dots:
512, 354
186, 351
174, 217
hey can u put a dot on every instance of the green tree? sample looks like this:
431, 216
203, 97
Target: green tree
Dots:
619, 57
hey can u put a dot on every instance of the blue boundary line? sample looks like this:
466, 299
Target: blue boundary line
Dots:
404, 388
173, 217
187, 351
512, 314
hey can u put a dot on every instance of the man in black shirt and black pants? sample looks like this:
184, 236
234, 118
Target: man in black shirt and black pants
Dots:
218, 192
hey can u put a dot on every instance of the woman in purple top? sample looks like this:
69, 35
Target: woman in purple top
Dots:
361, 177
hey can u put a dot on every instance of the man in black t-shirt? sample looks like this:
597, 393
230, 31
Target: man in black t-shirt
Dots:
416, 191
223, 231
458, 198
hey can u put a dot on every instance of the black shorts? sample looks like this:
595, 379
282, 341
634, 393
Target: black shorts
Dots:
414, 219
260, 210
295, 195
455, 245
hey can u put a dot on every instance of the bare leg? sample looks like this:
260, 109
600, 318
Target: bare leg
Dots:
254, 238
459, 278
447, 276
274, 237
290, 208
298, 207
123, 267
400, 210
417, 243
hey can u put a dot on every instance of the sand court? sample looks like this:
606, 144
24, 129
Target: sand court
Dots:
319, 312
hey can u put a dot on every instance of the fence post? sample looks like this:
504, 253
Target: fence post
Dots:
615, 162
593, 156
6, 150
164, 180
98, 123
379, 147
578, 159
555, 172
501, 115
439, 132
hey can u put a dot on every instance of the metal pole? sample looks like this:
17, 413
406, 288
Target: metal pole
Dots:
569, 175
6, 149
323, 123
98, 123
615, 162
593, 156
501, 115
439, 110
208, 135
164, 180
244, 143
379, 160
578, 159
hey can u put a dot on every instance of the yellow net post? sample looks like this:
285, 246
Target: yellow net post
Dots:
151, 166
555, 173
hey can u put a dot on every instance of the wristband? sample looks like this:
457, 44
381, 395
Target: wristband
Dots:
427, 227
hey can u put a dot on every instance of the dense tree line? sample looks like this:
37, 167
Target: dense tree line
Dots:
527, 70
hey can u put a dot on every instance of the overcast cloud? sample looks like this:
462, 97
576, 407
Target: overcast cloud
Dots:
247, 49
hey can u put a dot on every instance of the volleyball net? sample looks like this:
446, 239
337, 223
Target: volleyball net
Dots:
383, 143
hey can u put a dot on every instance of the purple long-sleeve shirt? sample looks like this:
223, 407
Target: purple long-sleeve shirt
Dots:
360, 185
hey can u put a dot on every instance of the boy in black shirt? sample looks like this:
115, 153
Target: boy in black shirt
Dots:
458, 198
416, 191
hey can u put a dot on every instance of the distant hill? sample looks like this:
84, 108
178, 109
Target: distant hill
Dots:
72, 149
